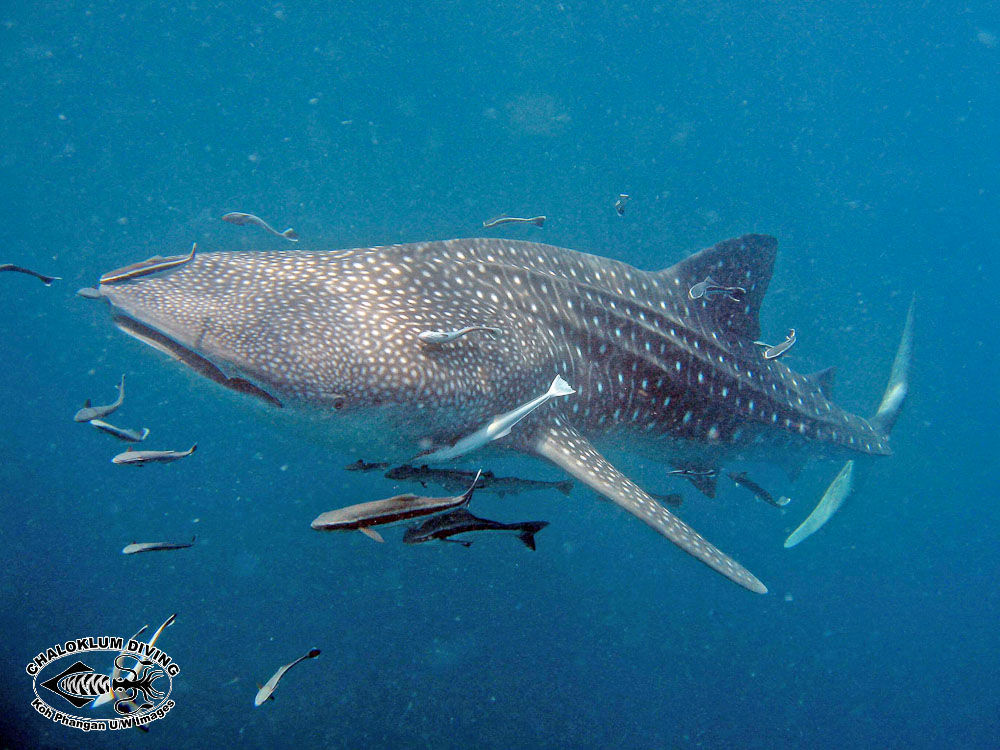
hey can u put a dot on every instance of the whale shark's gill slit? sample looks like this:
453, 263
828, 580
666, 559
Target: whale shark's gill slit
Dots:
196, 362
564, 446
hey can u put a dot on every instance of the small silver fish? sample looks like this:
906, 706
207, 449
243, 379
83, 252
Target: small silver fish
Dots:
505, 219
363, 516
47, 280
620, 203
149, 266
266, 690
710, 289
139, 458
241, 219
771, 352
88, 412
136, 547
130, 436
443, 337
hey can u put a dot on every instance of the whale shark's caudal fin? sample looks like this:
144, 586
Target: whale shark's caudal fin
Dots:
564, 446
885, 418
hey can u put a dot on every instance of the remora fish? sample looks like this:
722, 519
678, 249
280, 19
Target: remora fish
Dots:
360, 465
461, 521
443, 337
89, 412
453, 479
500, 426
504, 219
47, 280
137, 547
266, 691
770, 352
156, 264
744, 481
710, 289
241, 219
130, 436
363, 516
138, 458
328, 329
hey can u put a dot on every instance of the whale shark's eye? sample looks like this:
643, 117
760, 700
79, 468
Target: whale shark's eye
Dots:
338, 403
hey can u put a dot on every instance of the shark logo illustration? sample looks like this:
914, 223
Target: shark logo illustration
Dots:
78, 684
336, 335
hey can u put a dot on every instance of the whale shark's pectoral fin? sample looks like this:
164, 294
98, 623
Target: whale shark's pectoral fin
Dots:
564, 446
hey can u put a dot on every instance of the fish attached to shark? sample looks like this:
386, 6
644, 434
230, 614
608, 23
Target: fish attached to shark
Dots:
333, 334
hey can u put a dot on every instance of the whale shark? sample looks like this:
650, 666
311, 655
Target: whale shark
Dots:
335, 335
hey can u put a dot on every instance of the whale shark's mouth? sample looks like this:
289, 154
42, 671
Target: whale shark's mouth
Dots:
195, 361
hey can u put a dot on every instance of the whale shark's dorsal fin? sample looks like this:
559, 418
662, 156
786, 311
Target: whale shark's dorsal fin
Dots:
746, 262
564, 446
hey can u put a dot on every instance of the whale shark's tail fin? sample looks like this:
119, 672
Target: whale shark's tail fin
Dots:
884, 420
899, 379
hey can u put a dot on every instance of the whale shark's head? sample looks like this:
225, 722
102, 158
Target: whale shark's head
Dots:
279, 326
334, 334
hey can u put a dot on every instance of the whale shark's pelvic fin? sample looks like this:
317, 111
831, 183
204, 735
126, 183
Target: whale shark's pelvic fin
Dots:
885, 418
560, 443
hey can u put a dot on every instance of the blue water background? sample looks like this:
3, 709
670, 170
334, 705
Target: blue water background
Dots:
864, 136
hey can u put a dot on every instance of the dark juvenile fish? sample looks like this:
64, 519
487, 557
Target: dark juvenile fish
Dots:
488, 481
149, 266
744, 481
89, 412
360, 465
620, 203
709, 289
266, 691
777, 350
504, 219
129, 436
136, 547
461, 521
139, 458
363, 516
242, 219
47, 280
